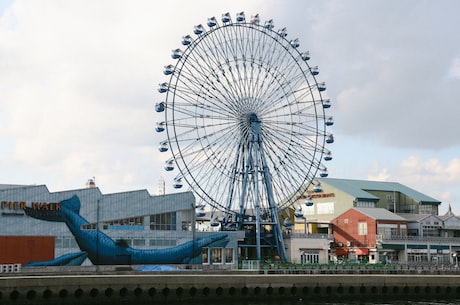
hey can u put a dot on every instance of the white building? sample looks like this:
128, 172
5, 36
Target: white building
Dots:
87, 227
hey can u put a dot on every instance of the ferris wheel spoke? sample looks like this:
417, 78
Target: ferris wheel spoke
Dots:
245, 120
291, 153
225, 91
218, 100
217, 140
304, 132
283, 90
221, 62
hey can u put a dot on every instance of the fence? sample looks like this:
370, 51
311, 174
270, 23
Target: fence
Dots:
10, 268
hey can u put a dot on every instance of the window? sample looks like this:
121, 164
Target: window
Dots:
403, 230
205, 255
65, 242
133, 223
390, 199
362, 228
417, 257
89, 226
229, 255
386, 230
431, 231
186, 226
216, 255
325, 208
428, 209
139, 242
163, 222
365, 204
162, 242
310, 257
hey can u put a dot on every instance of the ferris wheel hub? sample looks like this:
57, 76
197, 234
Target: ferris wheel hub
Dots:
245, 120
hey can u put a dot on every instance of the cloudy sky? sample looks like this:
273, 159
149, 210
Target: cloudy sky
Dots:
78, 83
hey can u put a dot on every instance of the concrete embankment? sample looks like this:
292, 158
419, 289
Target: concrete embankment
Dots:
160, 287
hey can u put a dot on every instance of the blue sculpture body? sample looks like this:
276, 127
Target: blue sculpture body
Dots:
102, 250
70, 259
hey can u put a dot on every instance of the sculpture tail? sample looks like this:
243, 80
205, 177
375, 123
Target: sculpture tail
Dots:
54, 211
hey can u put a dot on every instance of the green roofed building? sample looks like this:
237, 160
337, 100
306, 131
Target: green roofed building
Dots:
334, 196
374, 221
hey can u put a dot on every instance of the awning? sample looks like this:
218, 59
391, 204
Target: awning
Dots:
362, 251
416, 246
341, 251
439, 247
393, 246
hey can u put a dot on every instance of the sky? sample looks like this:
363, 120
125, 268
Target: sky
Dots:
78, 85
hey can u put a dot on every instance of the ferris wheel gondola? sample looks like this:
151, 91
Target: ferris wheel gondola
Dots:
245, 119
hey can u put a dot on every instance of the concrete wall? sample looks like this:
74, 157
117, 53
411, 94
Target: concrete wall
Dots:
194, 286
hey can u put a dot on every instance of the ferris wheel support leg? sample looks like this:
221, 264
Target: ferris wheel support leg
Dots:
279, 240
274, 211
257, 204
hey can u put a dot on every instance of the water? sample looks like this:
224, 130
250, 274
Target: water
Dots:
387, 302
310, 302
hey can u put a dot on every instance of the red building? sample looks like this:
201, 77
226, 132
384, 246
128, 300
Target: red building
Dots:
24, 249
357, 230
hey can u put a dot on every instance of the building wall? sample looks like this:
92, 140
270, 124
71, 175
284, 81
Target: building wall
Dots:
346, 230
328, 204
393, 199
114, 221
451, 226
311, 248
23, 249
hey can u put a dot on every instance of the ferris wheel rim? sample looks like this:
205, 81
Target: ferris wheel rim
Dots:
176, 135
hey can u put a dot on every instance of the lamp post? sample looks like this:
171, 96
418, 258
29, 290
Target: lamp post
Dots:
97, 236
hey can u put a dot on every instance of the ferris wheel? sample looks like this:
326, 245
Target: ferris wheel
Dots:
245, 120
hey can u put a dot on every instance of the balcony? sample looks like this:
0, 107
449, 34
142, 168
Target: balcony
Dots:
295, 234
424, 239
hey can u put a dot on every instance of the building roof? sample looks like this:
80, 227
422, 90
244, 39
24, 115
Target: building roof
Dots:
12, 186
380, 214
359, 189
416, 217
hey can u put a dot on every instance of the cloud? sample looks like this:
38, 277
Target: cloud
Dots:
454, 69
386, 63
78, 83
431, 176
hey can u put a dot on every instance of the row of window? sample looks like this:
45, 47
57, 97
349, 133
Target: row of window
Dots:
158, 222
311, 257
321, 208
217, 255
388, 230
328, 207
65, 242
423, 258
70, 242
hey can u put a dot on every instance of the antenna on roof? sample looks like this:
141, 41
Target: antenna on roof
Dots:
161, 186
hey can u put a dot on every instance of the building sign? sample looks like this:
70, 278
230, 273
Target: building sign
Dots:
16, 208
314, 195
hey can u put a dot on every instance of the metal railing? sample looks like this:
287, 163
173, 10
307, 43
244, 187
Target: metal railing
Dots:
438, 239
298, 234
288, 268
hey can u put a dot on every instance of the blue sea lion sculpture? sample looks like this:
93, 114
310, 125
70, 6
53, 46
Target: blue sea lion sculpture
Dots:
102, 250
69, 259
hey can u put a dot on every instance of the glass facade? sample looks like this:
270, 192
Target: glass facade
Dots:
163, 222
